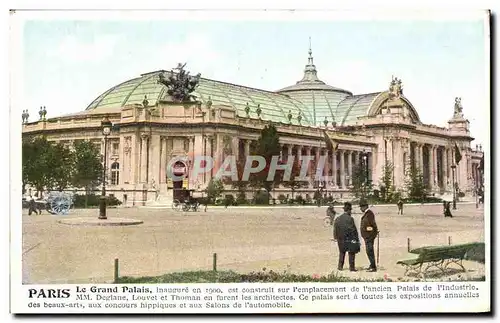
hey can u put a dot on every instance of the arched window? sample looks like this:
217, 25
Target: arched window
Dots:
115, 173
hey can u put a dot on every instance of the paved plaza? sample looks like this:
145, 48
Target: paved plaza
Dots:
245, 239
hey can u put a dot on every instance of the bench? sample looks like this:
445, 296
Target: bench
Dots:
440, 257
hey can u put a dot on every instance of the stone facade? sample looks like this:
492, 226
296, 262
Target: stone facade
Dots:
149, 137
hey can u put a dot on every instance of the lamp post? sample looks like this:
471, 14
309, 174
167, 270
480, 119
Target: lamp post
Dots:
364, 156
454, 186
106, 131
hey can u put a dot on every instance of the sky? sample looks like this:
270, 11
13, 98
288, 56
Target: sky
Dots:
68, 62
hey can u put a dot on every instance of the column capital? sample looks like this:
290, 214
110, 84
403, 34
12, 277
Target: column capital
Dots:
144, 135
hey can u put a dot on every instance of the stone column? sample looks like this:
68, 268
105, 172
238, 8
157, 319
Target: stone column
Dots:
342, 169
316, 163
144, 158
235, 142
398, 168
161, 175
164, 160
209, 149
191, 154
349, 166
247, 148
308, 153
135, 151
449, 162
218, 152
421, 155
154, 159
390, 156
334, 168
431, 166
289, 152
435, 179
121, 160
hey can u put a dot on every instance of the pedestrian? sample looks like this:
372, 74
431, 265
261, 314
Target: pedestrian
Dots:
369, 232
446, 209
330, 212
346, 236
32, 206
400, 206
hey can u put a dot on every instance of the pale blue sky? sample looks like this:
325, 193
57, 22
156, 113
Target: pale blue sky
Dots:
69, 63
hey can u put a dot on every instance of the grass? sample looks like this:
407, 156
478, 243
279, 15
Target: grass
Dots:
234, 277
253, 277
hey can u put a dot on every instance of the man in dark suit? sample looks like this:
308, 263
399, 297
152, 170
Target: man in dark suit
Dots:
346, 235
369, 232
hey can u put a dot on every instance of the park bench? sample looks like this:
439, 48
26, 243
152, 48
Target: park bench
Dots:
440, 257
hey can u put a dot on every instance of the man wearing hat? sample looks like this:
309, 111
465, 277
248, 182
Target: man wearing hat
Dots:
369, 231
346, 235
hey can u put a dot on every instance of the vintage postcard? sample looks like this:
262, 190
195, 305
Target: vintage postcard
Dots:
250, 161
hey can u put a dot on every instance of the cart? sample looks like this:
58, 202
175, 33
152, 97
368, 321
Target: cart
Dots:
187, 200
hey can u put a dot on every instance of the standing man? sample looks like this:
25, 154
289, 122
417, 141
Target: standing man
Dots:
369, 232
400, 206
32, 206
346, 235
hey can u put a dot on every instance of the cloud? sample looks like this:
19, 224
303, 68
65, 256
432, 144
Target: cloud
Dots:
74, 50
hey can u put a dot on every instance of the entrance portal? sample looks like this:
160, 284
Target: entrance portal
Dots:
179, 169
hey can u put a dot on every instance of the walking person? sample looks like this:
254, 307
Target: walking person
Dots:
446, 209
32, 206
400, 206
330, 212
369, 232
346, 235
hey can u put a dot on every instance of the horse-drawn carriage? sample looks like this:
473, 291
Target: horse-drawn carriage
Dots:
56, 203
187, 200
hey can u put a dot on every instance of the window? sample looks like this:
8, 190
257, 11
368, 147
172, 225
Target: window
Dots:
115, 148
115, 173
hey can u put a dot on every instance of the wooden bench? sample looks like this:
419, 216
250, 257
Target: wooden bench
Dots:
440, 257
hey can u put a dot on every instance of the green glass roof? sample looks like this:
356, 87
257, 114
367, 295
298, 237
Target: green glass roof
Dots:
275, 107
310, 97
353, 107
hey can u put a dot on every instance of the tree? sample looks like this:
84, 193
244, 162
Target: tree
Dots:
267, 146
360, 186
295, 182
88, 168
60, 161
415, 186
386, 186
214, 189
46, 165
240, 184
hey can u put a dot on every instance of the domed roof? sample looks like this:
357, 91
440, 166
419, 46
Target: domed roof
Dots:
274, 106
321, 98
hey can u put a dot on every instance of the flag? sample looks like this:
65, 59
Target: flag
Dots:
458, 155
330, 143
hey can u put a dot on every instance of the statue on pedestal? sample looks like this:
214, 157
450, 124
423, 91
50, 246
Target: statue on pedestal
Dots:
458, 110
395, 88
179, 84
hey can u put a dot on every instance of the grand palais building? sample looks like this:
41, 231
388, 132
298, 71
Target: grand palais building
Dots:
226, 119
